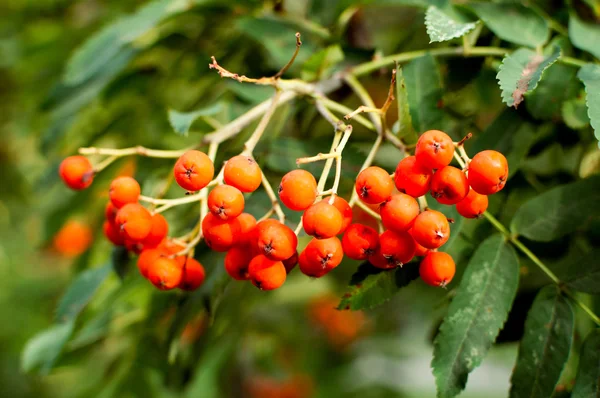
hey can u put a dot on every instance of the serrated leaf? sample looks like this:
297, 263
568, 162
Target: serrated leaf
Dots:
373, 287
585, 36
545, 346
559, 84
443, 27
475, 315
589, 74
583, 272
424, 89
575, 113
587, 382
403, 127
182, 121
513, 22
80, 292
43, 349
559, 211
520, 73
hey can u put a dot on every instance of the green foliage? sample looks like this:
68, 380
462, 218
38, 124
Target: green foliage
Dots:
587, 383
424, 93
583, 272
443, 27
182, 121
590, 76
404, 125
584, 35
42, 351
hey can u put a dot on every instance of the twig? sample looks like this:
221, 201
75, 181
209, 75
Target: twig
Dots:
262, 125
274, 201
136, 150
291, 61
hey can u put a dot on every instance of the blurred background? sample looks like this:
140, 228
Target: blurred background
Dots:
106, 73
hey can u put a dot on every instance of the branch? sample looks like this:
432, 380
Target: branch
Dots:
291, 61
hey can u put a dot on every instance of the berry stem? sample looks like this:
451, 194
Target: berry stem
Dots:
274, 201
262, 125
136, 150
105, 163
338, 162
368, 210
367, 101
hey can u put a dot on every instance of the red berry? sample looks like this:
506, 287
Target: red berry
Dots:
374, 185
449, 185
193, 170
298, 190
431, 229
395, 250
243, 173
473, 206
275, 240
165, 273
158, 231
76, 172
193, 273
226, 202
399, 212
124, 190
220, 234
434, 149
345, 210
412, 178
437, 269
320, 256
322, 220
266, 274
360, 241
134, 222
488, 172
237, 261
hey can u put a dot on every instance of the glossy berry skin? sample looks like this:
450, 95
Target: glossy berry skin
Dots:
395, 250
243, 173
112, 233
220, 235
124, 190
110, 212
158, 231
488, 172
322, 220
431, 229
298, 190
398, 213
473, 205
320, 256
225, 202
73, 239
434, 149
360, 241
237, 261
165, 273
437, 269
374, 185
275, 240
247, 223
147, 258
134, 222
290, 263
449, 185
193, 170
345, 210
193, 274
412, 178
76, 172
266, 274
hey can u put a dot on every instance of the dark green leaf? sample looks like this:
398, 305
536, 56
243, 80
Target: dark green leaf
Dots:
545, 347
590, 76
575, 113
43, 349
559, 84
585, 36
560, 211
182, 121
476, 314
587, 383
120, 261
424, 89
320, 64
583, 272
444, 25
404, 126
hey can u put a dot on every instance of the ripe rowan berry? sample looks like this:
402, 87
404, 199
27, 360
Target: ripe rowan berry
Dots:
225, 202
473, 205
112, 233
431, 229
110, 212
434, 149
437, 269
220, 234
76, 172
345, 210
322, 220
158, 232
290, 263
243, 173
147, 258
374, 185
488, 172
237, 261
134, 221
193, 273
275, 240
193, 170
360, 241
165, 273
298, 190
396, 248
266, 274
320, 256
420, 250
449, 185
398, 213
124, 190
73, 238
412, 178
247, 223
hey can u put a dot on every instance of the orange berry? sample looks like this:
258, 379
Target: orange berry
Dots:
237, 261
158, 231
193, 170
449, 185
110, 212
488, 172
431, 229
374, 185
437, 269
399, 212
112, 233
165, 273
219, 234
290, 263
434, 149
321, 256
420, 250
225, 202
73, 238
243, 173
193, 273
134, 221
298, 190
147, 258
412, 178
266, 274
76, 172
345, 210
124, 190
322, 220
247, 223
473, 205
396, 248
360, 241
275, 240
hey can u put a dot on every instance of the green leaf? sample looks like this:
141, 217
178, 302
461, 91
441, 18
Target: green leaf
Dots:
80, 293
182, 121
43, 349
445, 25
404, 126
559, 84
558, 212
476, 314
373, 287
545, 347
583, 272
520, 73
587, 382
321, 63
575, 113
589, 74
513, 22
585, 36
424, 89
